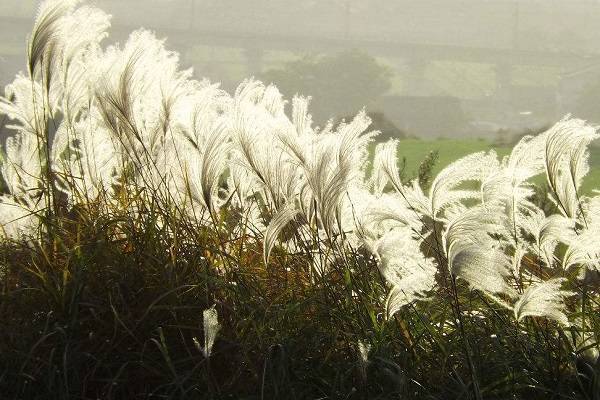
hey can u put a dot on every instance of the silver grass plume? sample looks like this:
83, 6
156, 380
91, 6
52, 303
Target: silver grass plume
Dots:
79, 54
583, 249
445, 189
472, 253
566, 161
467, 227
485, 269
22, 168
211, 328
543, 299
22, 104
385, 167
115, 106
363, 350
18, 220
517, 258
280, 220
93, 162
301, 119
332, 169
256, 146
363, 358
45, 31
410, 274
591, 209
506, 183
390, 211
547, 233
583, 246
212, 163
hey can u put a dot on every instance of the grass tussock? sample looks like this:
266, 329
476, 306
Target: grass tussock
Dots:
162, 238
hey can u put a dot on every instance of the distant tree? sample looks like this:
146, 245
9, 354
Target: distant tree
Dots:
340, 84
379, 122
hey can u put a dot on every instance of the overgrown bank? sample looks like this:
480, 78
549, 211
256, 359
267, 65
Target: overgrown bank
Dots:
138, 198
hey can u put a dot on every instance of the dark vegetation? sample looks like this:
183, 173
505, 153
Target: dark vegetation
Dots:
110, 306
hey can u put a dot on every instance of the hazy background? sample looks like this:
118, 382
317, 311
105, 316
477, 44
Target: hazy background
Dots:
426, 68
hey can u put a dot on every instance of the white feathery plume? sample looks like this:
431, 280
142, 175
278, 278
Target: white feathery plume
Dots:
90, 163
472, 253
331, 163
363, 357
204, 104
501, 188
280, 220
385, 166
353, 141
526, 158
363, 350
210, 166
583, 244
352, 222
415, 198
468, 227
301, 119
45, 29
211, 328
566, 162
517, 258
445, 190
296, 135
58, 50
547, 232
410, 274
249, 91
583, 249
328, 182
114, 99
334, 163
386, 212
270, 171
257, 145
272, 101
22, 167
22, 104
543, 299
143, 66
591, 211
18, 220
242, 184
485, 269
507, 184
81, 29
78, 55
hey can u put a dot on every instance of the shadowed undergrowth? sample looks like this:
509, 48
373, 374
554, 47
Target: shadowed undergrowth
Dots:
99, 316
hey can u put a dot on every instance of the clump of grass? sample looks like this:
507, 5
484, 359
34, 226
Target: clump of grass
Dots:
140, 204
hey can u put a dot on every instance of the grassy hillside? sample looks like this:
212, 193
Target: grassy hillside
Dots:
415, 150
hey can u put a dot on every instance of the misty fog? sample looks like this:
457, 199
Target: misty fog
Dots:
425, 68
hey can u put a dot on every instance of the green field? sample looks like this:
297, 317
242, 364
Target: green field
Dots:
415, 150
